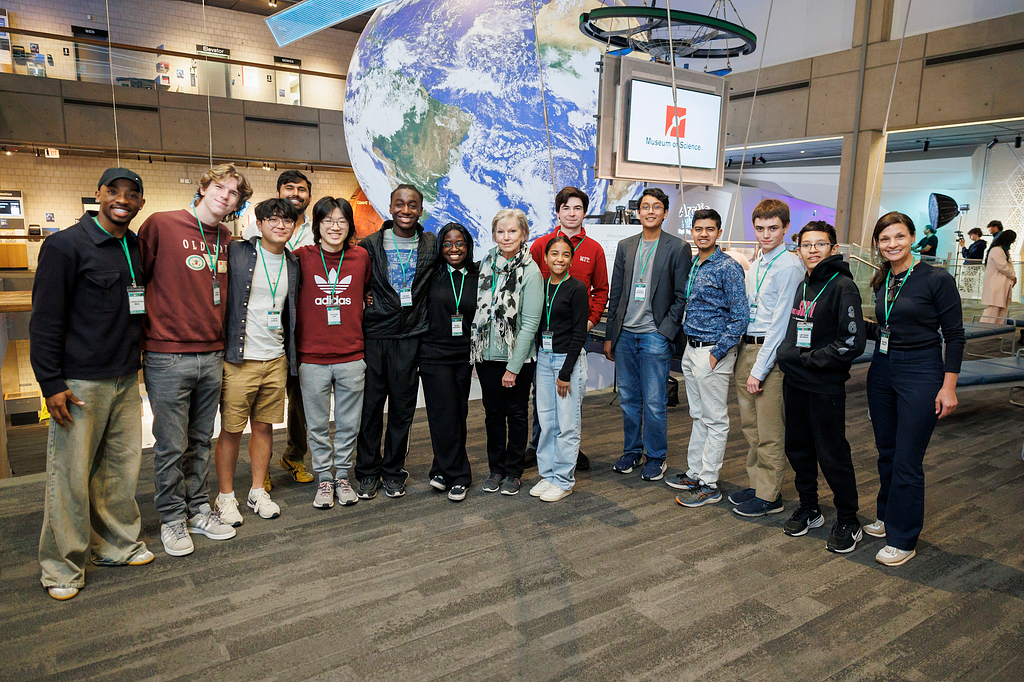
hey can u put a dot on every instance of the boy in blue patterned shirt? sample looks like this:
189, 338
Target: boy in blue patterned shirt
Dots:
716, 318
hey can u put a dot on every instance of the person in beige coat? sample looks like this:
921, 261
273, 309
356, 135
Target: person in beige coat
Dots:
1000, 277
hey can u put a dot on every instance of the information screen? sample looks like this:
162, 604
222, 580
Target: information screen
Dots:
10, 208
656, 125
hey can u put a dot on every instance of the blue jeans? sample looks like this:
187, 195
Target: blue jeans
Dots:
317, 382
559, 419
641, 374
92, 467
902, 386
184, 392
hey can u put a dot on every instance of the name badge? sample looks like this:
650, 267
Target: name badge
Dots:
547, 342
883, 341
803, 334
405, 296
274, 319
222, 266
640, 292
753, 311
456, 325
216, 292
333, 316
136, 301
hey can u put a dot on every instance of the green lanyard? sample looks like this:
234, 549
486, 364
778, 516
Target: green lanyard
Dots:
643, 265
124, 246
337, 276
804, 295
494, 280
693, 275
297, 238
548, 297
458, 296
273, 285
213, 260
408, 259
757, 275
885, 301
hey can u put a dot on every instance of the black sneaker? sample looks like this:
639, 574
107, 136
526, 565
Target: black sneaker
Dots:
802, 520
511, 486
457, 493
492, 483
437, 482
682, 482
368, 488
582, 462
394, 488
844, 537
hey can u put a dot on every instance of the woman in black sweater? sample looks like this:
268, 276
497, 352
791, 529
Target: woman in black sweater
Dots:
910, 385
561, 373
444, 359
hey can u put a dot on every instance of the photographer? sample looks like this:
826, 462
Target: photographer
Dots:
974, 253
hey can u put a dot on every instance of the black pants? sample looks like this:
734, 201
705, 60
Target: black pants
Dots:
447, 390
390, 376
902, 386
295, 450
816, 435
505, 416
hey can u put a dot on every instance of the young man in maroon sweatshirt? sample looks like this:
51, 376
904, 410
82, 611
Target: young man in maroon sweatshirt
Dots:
588, 266
184, 255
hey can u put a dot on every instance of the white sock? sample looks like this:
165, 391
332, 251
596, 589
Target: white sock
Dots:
255, 491
224, 497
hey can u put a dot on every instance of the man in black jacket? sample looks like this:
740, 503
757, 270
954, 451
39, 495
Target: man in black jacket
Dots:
826, 332
402, 259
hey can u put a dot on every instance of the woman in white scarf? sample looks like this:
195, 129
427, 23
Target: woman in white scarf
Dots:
509, 302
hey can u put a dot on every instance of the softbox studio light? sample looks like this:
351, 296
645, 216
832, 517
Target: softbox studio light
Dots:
941, 210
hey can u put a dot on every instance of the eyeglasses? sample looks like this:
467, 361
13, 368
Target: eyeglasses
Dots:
328, 223
816, 246
453, 245
274, 221
647, 208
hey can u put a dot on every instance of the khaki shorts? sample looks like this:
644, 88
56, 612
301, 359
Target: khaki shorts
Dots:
254, 389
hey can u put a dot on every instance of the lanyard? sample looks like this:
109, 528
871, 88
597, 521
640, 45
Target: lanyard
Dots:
693, 275
337, 275
757, 275
213, 260
273, 285
804, 295
124, 246
294, 241
643, 265
885, 301
458, 296
408, 258
548, 297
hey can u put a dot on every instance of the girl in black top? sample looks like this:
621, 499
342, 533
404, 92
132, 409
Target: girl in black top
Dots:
910, 385
561, 373
444, 359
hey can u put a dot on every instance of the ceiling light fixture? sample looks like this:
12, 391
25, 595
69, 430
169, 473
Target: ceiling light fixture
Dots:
728, 164
761, 159
993, 143
956, 125
927, 143
1016, 143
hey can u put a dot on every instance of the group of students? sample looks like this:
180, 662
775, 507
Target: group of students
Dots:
296, 309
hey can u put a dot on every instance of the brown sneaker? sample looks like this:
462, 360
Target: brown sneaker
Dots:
297, 470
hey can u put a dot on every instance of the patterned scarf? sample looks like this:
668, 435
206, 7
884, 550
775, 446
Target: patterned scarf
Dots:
498, 306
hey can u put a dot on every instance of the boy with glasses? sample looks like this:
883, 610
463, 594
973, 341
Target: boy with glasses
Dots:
260, 355
826, 332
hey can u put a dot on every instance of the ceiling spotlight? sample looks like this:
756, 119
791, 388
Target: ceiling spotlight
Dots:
1016, 143
728, 164
272, 3
993, 143
753, 160
761, 159
927, 143
802, 151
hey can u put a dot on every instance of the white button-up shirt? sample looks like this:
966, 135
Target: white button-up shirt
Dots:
779, 280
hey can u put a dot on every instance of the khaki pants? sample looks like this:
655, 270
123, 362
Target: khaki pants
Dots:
762, 419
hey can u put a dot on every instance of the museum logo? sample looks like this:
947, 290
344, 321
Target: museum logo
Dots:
675, 121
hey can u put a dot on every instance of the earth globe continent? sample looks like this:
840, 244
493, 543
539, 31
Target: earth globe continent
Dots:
446, 96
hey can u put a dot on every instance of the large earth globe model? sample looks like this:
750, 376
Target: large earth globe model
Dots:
446, 96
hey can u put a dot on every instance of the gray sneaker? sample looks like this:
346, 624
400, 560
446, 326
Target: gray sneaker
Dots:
175, 538
343, 492
492, 483
208, 522
324, 498
511, 486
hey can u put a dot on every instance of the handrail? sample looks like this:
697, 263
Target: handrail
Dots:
172, 53
861, 260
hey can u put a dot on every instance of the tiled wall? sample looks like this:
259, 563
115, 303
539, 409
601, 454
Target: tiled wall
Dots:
178, 26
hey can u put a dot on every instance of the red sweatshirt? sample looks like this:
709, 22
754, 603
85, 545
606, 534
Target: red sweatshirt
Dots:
588, 266
317, 342
180, 315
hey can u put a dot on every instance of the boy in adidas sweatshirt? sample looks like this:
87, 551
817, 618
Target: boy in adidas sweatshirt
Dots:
825, 334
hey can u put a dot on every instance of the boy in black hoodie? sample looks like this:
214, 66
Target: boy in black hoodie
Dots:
826, 333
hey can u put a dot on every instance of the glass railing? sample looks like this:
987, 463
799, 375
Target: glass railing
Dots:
44, 55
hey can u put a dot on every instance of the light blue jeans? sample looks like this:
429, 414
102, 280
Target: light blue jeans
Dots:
92, 468
560, 419
317, 382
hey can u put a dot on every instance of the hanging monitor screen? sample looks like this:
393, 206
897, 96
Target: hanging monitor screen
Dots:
656, 124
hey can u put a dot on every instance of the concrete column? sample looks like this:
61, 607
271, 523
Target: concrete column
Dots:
860, 183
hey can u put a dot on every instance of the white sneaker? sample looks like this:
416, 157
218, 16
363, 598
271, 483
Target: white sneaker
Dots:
208, 522
324, 498
62, 593
554, 494
142, 558
343, 492
890, 556
540, 488
262, 504
876, 529
227, 507
175, 538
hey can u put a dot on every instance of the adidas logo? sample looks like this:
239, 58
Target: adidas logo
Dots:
327, 284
